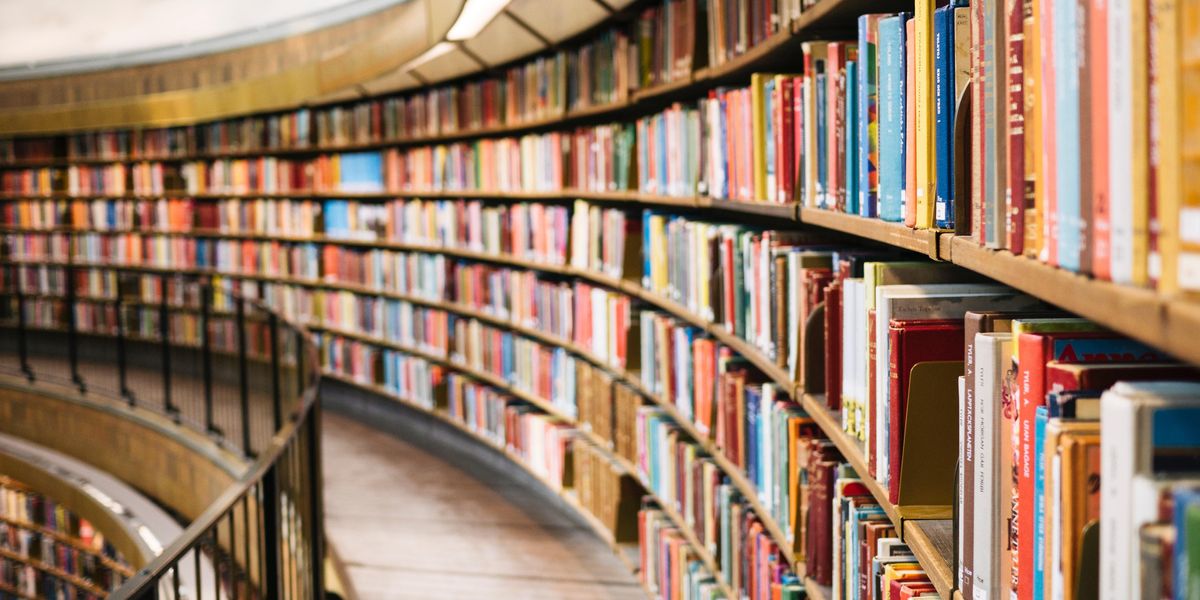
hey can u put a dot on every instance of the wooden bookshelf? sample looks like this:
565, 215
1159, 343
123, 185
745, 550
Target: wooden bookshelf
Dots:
63, 538
1171, 323
74, 580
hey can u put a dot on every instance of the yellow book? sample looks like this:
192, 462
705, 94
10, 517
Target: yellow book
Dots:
896, 571
1141, 141
923, 122
758, 152
1186, 262
1164, 17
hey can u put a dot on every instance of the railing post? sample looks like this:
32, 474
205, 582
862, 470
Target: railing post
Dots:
164, 330
206, 356
317, 518
271, 530
22, 340
276, 393
122, 380
243, 379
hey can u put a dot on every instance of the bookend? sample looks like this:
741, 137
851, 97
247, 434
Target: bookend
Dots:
812, 357
1087, 576
928, 459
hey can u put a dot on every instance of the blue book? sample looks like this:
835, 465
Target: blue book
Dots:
868, 116
1066, 131
753, 400
361, 171
1039, 500
660, 126
851, 133
892, 74
337, 218
943, 100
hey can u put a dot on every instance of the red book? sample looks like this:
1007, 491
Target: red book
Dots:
913, 342
797, 84
911, 589
871, 533
822, 469
1033, 352
1069, 377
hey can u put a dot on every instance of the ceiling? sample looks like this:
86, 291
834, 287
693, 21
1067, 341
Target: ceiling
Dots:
56, 37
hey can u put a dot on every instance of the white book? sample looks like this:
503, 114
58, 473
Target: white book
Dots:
994, 351
850, 323
861, 347
1126, 431
1120, 144
961, 478
930, 301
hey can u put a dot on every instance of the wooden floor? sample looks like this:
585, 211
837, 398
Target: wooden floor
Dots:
409, 525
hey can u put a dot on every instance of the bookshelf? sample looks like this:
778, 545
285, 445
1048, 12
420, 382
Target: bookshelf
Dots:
1169, 322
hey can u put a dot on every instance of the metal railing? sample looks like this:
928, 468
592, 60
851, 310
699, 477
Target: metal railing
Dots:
212, 361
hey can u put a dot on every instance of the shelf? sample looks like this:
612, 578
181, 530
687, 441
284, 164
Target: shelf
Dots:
827, 17
74, 580
1166, 322
75, 543
923, 241
932, 541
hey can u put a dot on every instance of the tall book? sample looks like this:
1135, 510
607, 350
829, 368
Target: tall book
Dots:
1128, 145
891, 138
923, 110
868, 121
1015, 188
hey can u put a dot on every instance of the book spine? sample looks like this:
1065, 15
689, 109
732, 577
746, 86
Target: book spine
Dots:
1099, 148
979, 77
924, 109
852, 142
1167, 67
1033, 188
1048, 96
1066, 126
910, 114
943, 53
891, 118
1015, 192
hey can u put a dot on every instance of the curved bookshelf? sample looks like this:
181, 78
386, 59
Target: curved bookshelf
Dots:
1168, 322
735, 474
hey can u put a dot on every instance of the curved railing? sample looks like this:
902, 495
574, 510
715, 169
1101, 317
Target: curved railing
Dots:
197, 352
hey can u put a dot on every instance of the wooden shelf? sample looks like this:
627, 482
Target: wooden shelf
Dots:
123, 570
74, 580
932, 541
923, 241
1166, 322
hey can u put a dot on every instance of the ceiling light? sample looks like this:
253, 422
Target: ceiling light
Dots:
475, 15
430, 54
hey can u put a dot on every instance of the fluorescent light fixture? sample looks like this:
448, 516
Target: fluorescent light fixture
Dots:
430, 54
475, 15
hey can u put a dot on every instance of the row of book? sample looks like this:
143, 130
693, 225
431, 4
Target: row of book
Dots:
659, 45
39, 531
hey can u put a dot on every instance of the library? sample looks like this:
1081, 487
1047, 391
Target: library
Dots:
584, 299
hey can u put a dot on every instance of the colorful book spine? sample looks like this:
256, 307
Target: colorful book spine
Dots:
892, 117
